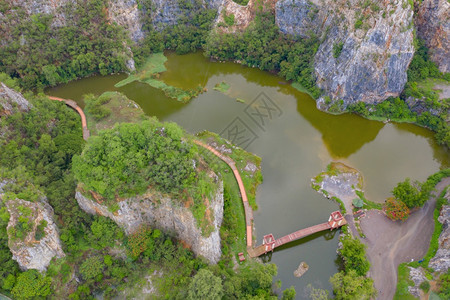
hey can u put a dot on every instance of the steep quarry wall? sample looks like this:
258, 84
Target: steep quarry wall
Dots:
34, 250
10, 101
125, 13
160, 211
365, 49
433, 26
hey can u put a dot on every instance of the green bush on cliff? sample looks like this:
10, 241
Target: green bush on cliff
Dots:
125, 160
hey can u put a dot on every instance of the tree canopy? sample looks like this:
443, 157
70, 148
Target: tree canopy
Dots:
125, 160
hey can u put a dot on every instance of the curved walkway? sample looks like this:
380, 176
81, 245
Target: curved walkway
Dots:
78, 109
248, 210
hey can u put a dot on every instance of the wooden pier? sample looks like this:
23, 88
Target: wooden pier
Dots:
336, 220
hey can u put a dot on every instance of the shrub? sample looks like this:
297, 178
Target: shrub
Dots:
396, 209
337, 49
92, 267
425, 286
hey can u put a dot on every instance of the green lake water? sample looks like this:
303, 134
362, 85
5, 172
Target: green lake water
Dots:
296, 142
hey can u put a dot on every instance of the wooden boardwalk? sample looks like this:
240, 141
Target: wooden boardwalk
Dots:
78, 109
260, 250
247, 209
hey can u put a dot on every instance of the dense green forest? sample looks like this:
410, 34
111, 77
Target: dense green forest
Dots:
40, 145
41, 54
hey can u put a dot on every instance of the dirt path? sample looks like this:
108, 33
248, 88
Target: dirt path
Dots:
391, 243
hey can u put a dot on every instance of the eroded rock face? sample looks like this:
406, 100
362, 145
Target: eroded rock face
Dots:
441, 261
417, 276
52, 7
33, 251
125, 13
10, 101
365, 50
160, 212
433, 25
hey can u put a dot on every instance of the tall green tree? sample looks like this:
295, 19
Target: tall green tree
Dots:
205, 286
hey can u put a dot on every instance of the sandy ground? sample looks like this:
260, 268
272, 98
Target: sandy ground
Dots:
391, 243
445, 90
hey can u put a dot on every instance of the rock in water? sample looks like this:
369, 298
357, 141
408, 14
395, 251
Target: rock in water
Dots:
36, 245
302, 268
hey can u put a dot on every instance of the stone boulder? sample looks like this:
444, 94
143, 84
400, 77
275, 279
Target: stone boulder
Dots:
36, 248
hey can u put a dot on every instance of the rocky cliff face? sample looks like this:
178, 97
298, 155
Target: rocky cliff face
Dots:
40, 243
160, 211
125, 13
366, 46
441, 261
433, 26
52, 7
10, 101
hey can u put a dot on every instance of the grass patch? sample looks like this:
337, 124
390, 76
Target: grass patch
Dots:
120, 108
299, 87
153, 65
403, 283
240, 100
367, 203
149, 74
222, 87
341, 205
434, 242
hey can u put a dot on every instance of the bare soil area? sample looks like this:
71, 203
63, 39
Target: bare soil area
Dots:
391, 243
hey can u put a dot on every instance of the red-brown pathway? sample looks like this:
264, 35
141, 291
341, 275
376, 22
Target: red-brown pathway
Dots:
78, 109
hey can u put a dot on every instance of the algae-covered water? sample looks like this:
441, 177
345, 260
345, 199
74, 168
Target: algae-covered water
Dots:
295, 141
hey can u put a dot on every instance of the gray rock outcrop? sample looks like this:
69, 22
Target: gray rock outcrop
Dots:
10, 101
45, 7
441, 261
433, 26
365, 49
31, 251
125, 13
160, 211
417, 276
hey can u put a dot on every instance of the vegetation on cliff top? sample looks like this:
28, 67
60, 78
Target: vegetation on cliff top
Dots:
41, 54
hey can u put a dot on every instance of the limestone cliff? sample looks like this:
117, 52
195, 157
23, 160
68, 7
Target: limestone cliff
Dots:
159, 211
10, 101
33, 237
366, 46
441, 261
433, 26
125, 13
